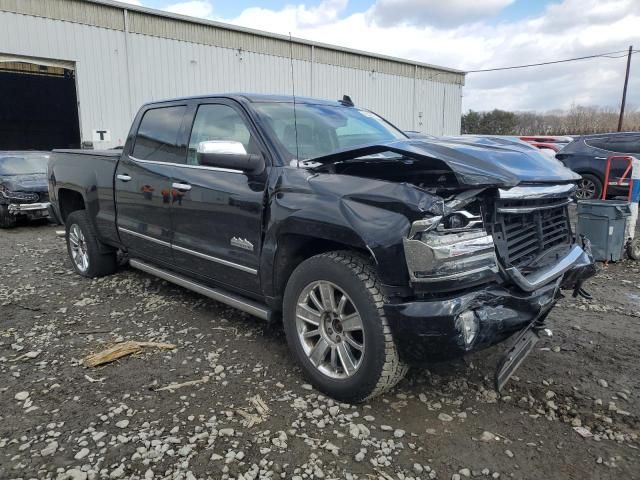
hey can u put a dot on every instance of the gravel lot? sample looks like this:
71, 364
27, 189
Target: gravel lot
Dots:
61, 420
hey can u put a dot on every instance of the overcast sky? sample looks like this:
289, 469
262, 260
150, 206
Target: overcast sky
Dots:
469, 35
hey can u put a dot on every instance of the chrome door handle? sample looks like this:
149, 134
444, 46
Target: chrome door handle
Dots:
601, 158
124, 177
183, 187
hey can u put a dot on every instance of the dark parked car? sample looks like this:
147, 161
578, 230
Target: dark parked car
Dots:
23, 186
587, 156
376, 251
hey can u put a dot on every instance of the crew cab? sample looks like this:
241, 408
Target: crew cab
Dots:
376, 251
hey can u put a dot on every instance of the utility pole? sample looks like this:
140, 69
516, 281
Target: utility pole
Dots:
624, 90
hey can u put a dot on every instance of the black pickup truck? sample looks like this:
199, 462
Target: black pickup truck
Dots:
376, 251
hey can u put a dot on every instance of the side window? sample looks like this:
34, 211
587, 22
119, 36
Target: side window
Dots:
598, 142
624, 144
157, 137
218, 122
357, 132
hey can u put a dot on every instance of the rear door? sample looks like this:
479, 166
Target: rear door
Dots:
217, 212
143, 182
626, 144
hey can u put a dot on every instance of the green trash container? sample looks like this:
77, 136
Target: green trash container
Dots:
603, 223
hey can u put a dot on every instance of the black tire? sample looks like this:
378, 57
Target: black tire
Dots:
6, 220
380, 367
633, 249
589, 188
101, 261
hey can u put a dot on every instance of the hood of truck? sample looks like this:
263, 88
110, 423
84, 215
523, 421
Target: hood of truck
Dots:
36, 182
475, 161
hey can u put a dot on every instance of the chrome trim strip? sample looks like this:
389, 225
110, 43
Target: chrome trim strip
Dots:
542, 277
184, 165
227, 263
456, 276
185, 187
236, 301
146, 237
534, 208
535, 192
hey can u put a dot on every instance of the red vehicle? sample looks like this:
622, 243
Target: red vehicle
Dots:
552, 144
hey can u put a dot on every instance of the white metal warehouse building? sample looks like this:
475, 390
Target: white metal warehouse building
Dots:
75, 71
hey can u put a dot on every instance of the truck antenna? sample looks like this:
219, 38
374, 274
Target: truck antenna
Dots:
293, 88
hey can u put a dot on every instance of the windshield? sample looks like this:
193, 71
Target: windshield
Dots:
324, 129
23, 164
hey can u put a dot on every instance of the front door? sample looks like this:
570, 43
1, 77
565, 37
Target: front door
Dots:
217, 213
143, 183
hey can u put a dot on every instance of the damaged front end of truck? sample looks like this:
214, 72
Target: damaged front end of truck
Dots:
483, 228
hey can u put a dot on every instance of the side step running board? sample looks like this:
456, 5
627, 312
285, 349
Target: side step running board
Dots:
233, 300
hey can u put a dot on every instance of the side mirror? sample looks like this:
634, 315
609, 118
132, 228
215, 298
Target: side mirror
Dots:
229, 154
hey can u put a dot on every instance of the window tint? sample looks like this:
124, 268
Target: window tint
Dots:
624, 144
218, 122
157, 137
322, 129
598, 142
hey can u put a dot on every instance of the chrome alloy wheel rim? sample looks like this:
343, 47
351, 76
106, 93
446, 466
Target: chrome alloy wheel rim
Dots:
330, 329
79, 253
586, 189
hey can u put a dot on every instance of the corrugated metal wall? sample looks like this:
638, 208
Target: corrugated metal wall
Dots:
116, 72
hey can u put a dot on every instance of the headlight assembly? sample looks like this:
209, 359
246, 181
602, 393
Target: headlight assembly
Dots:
18, 196
450, 248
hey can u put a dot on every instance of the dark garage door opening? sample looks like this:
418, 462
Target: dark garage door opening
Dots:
38, 108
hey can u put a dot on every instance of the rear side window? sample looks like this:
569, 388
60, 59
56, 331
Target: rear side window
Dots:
600, 142
158, 135
624, 144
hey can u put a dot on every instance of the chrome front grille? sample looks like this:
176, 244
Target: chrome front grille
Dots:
524, 229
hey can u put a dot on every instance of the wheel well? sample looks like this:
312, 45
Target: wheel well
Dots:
598, 175
294, 249
69, 201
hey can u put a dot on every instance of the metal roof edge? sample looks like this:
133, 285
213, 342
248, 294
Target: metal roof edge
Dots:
262, 33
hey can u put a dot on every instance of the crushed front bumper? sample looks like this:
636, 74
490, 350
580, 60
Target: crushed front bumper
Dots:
36, 210
447, 327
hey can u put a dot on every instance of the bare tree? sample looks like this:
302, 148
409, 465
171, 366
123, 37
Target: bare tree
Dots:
577, 120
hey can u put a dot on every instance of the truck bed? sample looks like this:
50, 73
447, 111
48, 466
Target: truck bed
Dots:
90, 173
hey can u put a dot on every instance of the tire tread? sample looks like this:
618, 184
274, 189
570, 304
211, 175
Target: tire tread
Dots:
100, 264
393, 369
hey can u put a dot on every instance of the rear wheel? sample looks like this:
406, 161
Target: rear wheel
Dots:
589, 188
6, 219
336, 327
88, 256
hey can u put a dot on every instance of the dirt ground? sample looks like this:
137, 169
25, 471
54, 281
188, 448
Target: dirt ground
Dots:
571, 412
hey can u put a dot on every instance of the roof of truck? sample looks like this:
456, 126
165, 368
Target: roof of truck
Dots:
257, 98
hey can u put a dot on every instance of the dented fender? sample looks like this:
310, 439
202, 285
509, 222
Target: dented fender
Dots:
368, 214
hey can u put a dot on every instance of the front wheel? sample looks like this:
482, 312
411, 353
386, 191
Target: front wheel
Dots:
88, 256
336, 327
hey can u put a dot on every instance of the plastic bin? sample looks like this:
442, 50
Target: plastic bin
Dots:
603, 222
